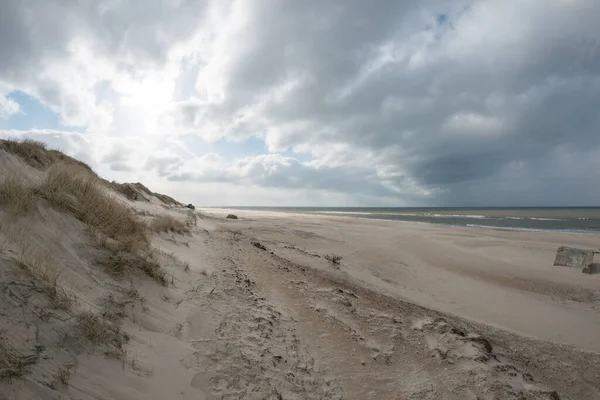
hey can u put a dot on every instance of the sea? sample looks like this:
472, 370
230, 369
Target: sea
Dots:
559, 219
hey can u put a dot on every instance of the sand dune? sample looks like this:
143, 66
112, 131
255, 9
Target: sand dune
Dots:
191, 305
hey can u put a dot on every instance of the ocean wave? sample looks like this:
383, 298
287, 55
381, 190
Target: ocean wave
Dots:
505, 228
345, 212
520, 229
457, 216
547, 219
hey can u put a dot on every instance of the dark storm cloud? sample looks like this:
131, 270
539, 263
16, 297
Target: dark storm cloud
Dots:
458, 99
434, 101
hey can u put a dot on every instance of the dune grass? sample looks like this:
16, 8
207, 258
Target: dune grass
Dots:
191, 219
17, 196
63, 375
166, 224
36, 261
41, 266
121, 264
12, 364
36, 154
99, 331
70, 188
333, 259
33, 152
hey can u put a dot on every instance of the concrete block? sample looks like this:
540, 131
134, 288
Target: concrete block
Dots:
572, 257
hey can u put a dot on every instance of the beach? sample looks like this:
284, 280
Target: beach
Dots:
504, 279
184, 303
521, 219
407, 295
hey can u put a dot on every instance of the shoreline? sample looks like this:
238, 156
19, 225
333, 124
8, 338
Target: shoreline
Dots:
271, 213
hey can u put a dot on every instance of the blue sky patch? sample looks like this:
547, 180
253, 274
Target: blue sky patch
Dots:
33, 115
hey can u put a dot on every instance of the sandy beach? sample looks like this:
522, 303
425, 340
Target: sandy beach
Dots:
112, 291
299, 200
503, 279
398, 308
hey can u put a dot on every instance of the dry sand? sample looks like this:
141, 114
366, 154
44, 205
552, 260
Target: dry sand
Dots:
253, 310
425, 311
504, 279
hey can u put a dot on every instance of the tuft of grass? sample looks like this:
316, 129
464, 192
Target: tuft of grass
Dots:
33, 146
73, 189
100, 331
166, 224
121, 264
333, 258
17, 195
12, 363
115, 309
40, 265
178, 329
58, 156
192, 219
33, 152
36, 154
117, 354
259, 245
37, 262
63, 375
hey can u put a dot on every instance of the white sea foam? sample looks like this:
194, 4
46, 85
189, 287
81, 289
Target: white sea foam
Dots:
457, 216
504, 228
346, 212
547, 219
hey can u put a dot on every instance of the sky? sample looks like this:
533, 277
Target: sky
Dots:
315, 103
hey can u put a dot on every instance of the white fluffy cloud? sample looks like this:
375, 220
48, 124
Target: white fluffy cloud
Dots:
417, 102
8, 107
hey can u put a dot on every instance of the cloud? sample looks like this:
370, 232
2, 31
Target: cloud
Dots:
424, 102
8, 107
163, 162
277, 171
